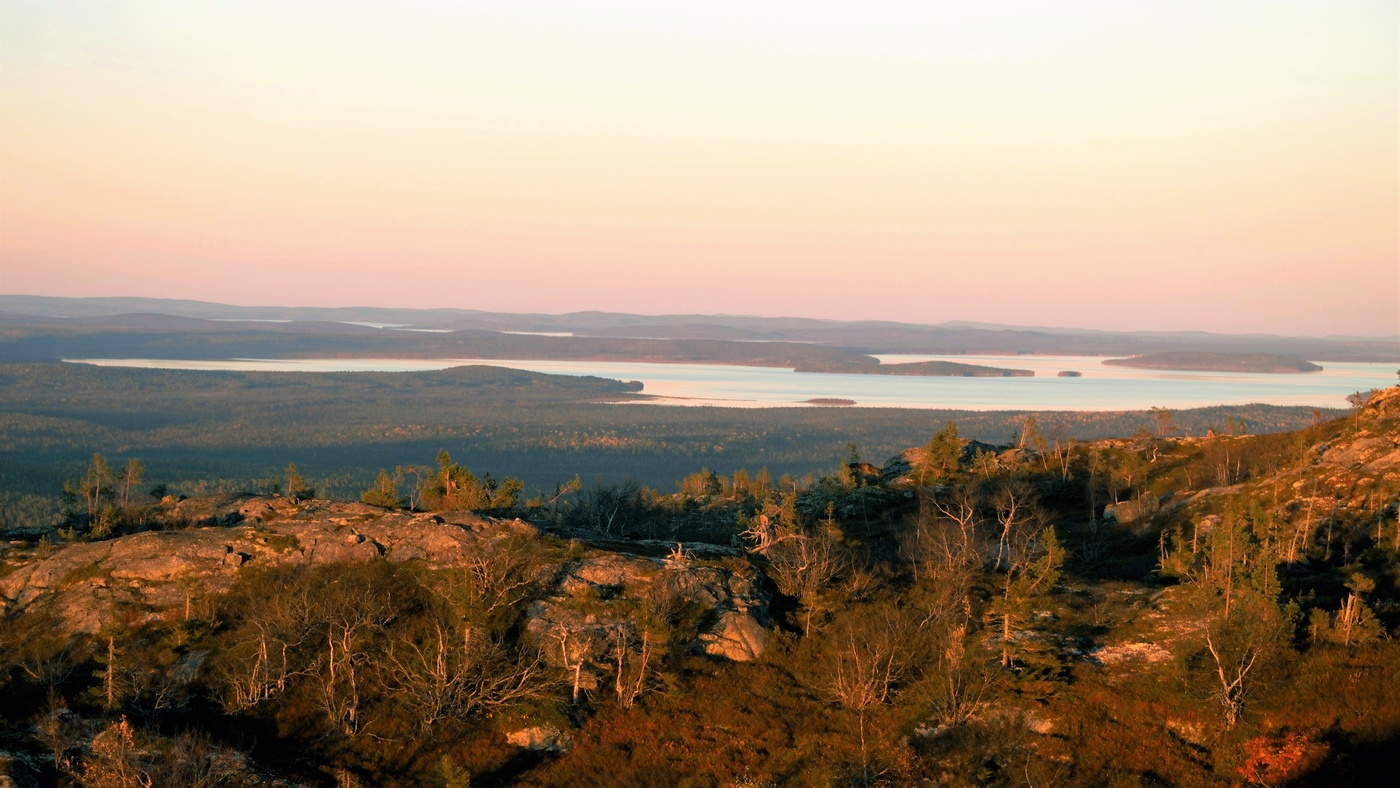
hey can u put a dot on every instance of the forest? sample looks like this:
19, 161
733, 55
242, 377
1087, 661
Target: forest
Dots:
200, 432
1150, 609
28, 319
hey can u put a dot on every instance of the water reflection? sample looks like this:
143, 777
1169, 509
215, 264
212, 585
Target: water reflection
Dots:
1099, 388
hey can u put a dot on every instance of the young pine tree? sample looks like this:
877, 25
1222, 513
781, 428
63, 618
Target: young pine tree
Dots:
385, 492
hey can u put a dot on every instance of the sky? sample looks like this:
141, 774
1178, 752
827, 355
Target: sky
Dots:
1231, 165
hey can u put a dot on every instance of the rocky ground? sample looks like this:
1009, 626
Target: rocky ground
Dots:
158, 571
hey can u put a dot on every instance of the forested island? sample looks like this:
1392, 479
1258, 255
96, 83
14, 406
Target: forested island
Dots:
1217, 362
927, 368
164, 337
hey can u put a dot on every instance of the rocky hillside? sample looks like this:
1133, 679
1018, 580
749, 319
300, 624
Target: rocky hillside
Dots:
1214, 610
154, 573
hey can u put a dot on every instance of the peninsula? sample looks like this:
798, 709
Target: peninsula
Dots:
1217, 362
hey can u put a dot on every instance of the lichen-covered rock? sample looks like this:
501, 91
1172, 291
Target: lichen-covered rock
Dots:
540, 738
737, 636
601, 599
899, 470
593, 601
158, 570
1132, 510
615, 571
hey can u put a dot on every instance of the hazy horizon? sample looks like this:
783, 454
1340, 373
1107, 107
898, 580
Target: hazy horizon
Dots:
709, 315
1230, 168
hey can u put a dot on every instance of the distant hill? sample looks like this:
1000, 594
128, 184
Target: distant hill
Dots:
861, 337
1217, 362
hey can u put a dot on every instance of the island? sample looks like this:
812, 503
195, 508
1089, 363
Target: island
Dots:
830, 402
923, 368
1069, 373
1217, 362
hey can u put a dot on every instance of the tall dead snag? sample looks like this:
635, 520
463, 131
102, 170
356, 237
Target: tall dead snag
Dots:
574, 650
109, 675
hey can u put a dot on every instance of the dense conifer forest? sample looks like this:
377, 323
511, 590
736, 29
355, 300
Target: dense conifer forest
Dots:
200, 432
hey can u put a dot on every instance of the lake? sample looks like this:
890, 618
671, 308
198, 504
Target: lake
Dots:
1100, 387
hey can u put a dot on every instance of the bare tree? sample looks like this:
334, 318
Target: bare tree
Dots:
1028, 558
944, 547
631, 655
867, 665
574, 649
611, 509
1018, 517
954, 675
1064, 452
493, 579
803, 564
1239, 645
1163, 417
452, 668
266, 644
131, 475
255, 669
357, 615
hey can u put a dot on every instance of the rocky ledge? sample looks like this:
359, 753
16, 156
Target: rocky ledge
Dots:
589, 596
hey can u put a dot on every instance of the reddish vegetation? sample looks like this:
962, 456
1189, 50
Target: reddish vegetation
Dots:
1188, 611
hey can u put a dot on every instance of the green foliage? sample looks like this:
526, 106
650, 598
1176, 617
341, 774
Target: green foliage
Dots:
1025, 585
1354, 623
385, 491
942, 457
295, 487
506, 496
210, 432
453, 486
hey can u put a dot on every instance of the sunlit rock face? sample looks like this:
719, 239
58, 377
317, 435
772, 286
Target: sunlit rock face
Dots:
590, 600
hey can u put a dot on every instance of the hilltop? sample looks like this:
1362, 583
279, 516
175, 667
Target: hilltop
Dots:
860, 337
1194, 610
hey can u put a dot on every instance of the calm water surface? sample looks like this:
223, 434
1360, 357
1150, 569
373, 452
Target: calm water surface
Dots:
1100, 387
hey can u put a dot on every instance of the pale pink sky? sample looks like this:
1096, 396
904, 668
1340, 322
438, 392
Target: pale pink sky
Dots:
1226, 166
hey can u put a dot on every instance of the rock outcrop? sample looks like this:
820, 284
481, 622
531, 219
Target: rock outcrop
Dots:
540, 738
900, 470
1133, 509
589, 601
606, 600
